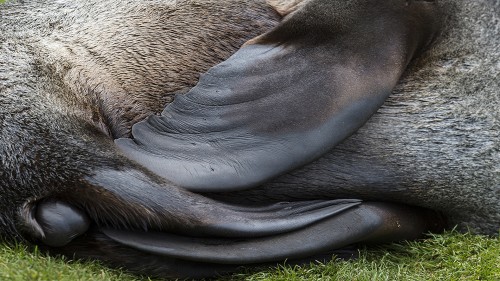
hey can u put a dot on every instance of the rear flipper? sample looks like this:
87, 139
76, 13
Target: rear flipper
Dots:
367, 223
284, 231
370, 222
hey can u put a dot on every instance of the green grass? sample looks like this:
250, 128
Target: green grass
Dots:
450, 256
18, 263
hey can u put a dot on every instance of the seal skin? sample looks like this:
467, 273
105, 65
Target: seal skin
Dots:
76, 75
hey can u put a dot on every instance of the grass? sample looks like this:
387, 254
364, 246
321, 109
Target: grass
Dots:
18, 263
449, 256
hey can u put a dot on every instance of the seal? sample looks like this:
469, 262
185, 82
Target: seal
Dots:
269, 148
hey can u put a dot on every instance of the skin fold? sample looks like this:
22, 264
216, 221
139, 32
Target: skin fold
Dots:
167, 137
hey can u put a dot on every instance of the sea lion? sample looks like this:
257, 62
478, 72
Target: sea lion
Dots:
74, 76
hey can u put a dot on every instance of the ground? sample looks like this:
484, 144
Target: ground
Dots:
449, 256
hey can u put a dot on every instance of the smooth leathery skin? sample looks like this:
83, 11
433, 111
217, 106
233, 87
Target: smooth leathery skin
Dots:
368, 222
286, 99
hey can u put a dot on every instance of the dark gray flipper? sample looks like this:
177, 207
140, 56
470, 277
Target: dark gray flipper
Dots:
287, 97
132, 200
369, 222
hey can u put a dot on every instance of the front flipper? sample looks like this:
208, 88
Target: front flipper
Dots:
368, 222
285, 98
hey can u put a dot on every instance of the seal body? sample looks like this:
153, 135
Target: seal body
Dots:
74, 76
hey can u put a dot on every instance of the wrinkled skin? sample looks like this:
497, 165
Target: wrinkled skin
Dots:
75, 76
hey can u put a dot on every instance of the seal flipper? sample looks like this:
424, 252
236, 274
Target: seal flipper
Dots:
286, 98
130, 199
368, 222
